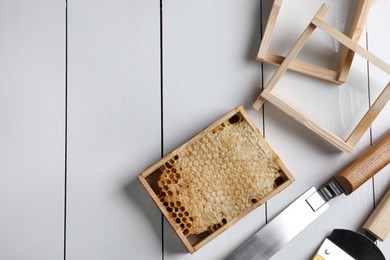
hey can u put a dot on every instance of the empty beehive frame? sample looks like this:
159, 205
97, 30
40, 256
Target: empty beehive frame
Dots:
340, 76
267, 94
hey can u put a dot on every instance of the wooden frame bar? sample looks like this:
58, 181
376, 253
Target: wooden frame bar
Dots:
348, 145
357, 28
291, 55
324, 26
305, 120
369, 117
338, 77
269, 29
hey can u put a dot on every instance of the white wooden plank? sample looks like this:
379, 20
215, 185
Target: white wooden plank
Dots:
379, 40
209, 68
339, 108
114, 129
32, 81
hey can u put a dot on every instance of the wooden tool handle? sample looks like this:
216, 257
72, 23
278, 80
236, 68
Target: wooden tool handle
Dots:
364, 167
378, 224
317, 257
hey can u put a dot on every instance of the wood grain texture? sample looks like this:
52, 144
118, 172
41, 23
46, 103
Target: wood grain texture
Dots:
363, 168
32, 102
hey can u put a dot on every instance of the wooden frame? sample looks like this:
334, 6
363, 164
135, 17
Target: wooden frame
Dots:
149, 177
349, 144
339, 76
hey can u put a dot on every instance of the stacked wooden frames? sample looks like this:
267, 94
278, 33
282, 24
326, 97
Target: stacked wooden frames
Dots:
339, 76
344, 145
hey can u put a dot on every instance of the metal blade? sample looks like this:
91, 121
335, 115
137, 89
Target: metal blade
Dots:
285, 226
356, 245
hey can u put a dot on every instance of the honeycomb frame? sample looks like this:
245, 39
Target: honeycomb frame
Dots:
165, 181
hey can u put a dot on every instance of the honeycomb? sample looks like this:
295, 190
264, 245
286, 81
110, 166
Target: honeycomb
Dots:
217, 177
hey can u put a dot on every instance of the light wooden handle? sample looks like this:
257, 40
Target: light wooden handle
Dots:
364, 167
378, 224
317, 257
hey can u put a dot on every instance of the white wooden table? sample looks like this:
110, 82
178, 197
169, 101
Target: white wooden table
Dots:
93, 92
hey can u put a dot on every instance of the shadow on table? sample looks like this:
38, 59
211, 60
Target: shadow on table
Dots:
163, 231
172, 243
140, 198
255, 39
259, 22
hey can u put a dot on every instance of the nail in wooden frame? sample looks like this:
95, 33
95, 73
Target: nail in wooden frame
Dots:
334, 76
267, 94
